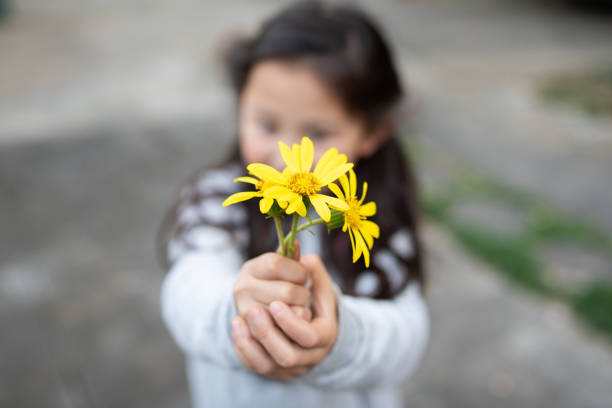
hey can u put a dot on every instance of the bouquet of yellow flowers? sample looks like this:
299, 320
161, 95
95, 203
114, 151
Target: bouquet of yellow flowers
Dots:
296, 188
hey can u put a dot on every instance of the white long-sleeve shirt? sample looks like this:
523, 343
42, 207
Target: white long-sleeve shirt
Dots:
379, 343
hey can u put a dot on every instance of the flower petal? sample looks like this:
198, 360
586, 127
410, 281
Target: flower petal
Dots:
334, 202
368, 209
266, 173
301, 209
363, 192
238, 197
336, 190
361, 245
345, 186
265, 204
292, 206
280, 193
353, 182
251, 180
350, 232
297, 205
334, 173
371, 228
358, 248
320, 206
332, 163
324, 160
306, 155
295, 151
288, 157
368, 238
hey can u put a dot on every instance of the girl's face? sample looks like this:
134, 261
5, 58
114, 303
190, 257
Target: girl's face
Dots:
286, 101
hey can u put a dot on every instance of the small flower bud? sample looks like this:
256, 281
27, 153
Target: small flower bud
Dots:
275, 210
336, 220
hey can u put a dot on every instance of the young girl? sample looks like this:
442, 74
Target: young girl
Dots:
261, 330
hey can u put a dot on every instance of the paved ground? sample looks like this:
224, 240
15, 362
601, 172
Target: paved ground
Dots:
79, 285
494, 346
475, 97
105, 107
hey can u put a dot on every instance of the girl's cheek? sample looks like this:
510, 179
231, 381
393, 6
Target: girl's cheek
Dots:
344, 145
251, 153
254, 146
248, 143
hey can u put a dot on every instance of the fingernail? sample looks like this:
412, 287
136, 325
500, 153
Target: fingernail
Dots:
277, 308
255, 314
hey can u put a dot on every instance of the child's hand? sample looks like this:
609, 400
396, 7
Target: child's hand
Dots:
298, 345
272, 277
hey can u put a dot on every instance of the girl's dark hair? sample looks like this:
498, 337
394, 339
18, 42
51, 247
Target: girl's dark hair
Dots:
348, 53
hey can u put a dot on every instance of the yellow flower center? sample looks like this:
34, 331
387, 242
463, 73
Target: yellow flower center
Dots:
352, 216
304, 184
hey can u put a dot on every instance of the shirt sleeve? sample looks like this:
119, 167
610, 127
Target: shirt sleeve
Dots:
205, 250
379, 341
197, 300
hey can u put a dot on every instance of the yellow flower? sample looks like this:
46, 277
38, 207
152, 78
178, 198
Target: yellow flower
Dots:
260, 186
297, 183
361, 231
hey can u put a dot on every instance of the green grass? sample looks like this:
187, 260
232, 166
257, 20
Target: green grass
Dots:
588, 91
547, 224
4, 9
595, 305
516, 255
513, 256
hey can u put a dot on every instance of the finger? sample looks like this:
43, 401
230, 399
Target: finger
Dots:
268, 291
322, 290
272, 266
273, 340
244, 305
238, 346
255, 358
324, 309
302, 312
299, 330
250, 352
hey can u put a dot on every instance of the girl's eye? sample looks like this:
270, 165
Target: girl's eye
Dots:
268, 126
317, 134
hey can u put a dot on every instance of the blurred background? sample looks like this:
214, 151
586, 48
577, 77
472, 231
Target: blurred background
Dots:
107, 106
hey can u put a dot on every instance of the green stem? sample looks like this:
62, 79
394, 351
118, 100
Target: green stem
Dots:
281, 235
292, 234
304, 227
310, 224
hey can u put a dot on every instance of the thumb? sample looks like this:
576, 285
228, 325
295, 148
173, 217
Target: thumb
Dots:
322, 291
